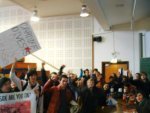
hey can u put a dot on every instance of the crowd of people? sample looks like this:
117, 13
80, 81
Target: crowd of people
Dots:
87, 93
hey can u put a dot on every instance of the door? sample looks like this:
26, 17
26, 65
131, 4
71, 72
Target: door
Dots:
109, 68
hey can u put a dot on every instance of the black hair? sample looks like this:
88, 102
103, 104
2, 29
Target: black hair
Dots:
63, 76
86, 70
111, 77
31, 73
115, 75
3, 80
138, 74
144, 73
95, 69
141, 92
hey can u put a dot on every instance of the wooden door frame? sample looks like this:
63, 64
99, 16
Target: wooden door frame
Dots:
106, 62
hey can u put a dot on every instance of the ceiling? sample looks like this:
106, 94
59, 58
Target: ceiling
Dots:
115, 12
108, 12
5, 3
48, 8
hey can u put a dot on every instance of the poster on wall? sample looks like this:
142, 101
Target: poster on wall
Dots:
19, 102
17, 42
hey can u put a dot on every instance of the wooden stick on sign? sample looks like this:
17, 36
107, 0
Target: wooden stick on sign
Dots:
45, 62
27, 49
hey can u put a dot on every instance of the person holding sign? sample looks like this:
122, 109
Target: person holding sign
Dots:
31, 84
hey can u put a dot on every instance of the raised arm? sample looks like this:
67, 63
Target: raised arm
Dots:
14, 78
61, 70
47, 86
43, 74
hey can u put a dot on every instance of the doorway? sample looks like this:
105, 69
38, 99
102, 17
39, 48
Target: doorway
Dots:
109, 68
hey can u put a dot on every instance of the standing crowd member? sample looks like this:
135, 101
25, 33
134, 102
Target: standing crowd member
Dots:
92, 98
5, 85
31, 84
142, 103
66, 93
60, 96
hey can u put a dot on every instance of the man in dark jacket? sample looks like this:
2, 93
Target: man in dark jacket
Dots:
92, 98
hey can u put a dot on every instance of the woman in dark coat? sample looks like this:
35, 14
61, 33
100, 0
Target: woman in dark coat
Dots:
142, 103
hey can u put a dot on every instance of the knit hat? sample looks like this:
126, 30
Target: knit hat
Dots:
3, 80
31, 72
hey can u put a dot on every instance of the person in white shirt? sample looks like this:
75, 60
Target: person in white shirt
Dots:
29, 84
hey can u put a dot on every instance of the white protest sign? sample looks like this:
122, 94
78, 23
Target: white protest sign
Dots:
17, 42
18, 102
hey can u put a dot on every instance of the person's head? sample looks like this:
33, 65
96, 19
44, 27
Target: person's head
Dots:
95, 71
139, 97
114, 75
73, 76
5, 85
111, 79
126, 88
90, 83
54, 76
106, 87
79, 83
124, 79
63, 81
132, 96
99, 75
143, 76
32, 76
138, 76
86, 72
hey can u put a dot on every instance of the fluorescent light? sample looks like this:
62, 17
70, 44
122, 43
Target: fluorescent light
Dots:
34, 17
84, 11
114, 60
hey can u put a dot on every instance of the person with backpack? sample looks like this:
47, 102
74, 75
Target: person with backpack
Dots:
29, 84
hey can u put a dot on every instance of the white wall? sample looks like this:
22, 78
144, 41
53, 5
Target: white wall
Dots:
146, 44
126, 44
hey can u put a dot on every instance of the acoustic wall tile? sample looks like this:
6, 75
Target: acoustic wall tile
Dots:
68, 34
64, 39
77, 53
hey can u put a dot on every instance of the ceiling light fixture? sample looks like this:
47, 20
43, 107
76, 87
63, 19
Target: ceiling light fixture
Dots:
84, 11
114, 53
34, 16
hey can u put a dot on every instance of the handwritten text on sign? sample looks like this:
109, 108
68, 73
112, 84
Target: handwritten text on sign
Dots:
17, 42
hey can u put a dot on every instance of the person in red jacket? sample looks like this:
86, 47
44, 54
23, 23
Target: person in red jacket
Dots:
60, 96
